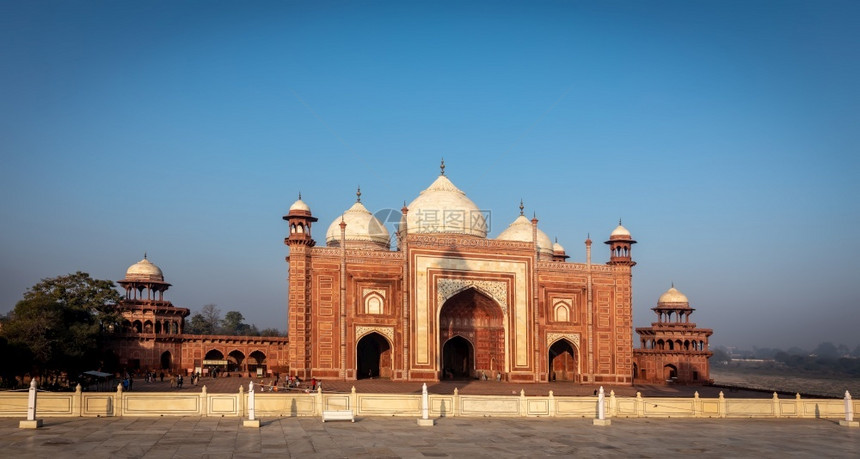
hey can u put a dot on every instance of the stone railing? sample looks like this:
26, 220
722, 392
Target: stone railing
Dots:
286, 404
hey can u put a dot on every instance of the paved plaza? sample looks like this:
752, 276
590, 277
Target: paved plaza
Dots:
402, 437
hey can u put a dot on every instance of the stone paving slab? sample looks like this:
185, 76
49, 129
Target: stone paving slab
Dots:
451, 437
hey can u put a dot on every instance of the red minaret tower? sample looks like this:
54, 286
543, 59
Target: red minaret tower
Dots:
620, 242
299, 219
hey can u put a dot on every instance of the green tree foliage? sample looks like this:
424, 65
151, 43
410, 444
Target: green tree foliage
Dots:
209, 322
62, 323
205, 322
233, 323
270, 332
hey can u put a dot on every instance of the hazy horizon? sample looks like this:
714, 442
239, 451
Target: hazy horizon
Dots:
723, 134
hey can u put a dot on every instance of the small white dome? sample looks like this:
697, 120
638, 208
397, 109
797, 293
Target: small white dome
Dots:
143, 270
620, 231
444, 208
521, 230
361, 226
300, 205
557, 248
673, 296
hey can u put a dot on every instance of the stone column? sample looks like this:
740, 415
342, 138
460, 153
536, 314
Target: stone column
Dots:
849, 413
425, 420
31, 422
252, 420
601, 410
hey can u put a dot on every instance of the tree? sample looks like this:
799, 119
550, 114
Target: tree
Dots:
826, 350
233, 323
212, 317
270, 332
63, 322
205, 322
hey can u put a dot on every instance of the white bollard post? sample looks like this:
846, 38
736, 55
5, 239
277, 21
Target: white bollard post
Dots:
31, 422
849, 413
252, 419
425, 420
31, 401
251, 400
601, 410
601, 404
425, 403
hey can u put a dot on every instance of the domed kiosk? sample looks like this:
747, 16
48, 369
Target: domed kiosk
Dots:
672, 349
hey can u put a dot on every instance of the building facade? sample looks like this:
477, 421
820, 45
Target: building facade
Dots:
449, 302
437, 299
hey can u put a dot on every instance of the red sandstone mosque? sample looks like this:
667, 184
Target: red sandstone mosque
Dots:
438, 300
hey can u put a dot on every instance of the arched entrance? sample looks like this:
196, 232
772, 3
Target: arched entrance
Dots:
373, 355
458, 359
471, 336
670, 372
214, 362
562, 361
166, 360
257, 363
235, 359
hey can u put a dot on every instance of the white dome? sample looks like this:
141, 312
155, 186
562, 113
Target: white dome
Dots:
620, 231
361, 226
557, 248
300, 205
143, 270
673, 296
443, 208
521, 230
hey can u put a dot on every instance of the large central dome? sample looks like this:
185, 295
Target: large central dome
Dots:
444, 208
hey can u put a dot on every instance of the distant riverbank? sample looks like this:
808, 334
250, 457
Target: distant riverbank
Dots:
773, 379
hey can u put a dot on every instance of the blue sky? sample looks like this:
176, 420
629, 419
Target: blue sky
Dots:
725, 134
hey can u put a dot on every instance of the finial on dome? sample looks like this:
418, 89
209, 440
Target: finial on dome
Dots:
300, 195
521, 206
619, 222
442, 167
358, 194
673, 284
556, 239
144, 255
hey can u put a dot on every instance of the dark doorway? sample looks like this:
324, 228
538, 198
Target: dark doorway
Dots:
166, 360
374, 357
670, 372
458, 361
474, 314
562, 361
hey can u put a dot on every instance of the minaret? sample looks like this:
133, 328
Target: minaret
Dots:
619, 243
299, 219
299, 327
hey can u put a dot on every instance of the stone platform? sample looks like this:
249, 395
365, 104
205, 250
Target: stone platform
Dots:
401, 437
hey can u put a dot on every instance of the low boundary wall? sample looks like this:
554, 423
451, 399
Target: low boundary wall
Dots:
280, 404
